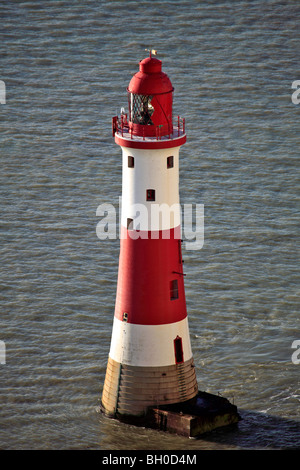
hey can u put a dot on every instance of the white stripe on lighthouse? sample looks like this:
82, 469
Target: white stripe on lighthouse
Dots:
148, 345
150, 171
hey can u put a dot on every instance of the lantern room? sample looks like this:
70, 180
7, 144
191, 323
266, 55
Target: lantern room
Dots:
150, 97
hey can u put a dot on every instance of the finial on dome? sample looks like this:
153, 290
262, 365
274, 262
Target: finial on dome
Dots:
151, 51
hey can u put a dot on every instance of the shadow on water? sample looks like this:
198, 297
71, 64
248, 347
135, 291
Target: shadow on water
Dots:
257, 430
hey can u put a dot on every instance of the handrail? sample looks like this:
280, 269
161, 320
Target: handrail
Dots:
120, 125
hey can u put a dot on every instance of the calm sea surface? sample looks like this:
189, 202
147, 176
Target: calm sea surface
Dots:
66, 66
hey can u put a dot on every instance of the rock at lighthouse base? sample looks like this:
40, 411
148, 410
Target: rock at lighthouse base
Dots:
194, 417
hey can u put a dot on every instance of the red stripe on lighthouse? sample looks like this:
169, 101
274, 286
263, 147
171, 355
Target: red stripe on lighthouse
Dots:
150, 283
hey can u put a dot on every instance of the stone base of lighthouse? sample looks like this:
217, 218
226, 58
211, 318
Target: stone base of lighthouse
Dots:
130, 391
203, 413
164, 398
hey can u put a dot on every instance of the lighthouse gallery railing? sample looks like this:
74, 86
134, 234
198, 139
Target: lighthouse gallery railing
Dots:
121, 126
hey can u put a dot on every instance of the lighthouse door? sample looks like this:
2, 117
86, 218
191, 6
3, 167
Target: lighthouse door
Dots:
178, 350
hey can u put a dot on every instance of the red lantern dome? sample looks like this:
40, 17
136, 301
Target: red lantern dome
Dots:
150, 97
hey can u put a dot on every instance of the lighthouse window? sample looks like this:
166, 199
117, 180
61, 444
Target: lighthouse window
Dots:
170, 162
130, 162
174, 289
150, 194
129, 224
141, 109
178, 350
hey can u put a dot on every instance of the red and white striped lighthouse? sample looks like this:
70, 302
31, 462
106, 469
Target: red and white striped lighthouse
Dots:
150, 360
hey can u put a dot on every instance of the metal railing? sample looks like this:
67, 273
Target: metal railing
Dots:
121, 126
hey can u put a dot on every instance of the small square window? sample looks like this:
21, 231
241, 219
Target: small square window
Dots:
174, 289
129, 224
130, 162
150, 194
125, 316
170, 161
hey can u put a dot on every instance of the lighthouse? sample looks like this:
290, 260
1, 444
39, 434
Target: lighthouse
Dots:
150, 364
